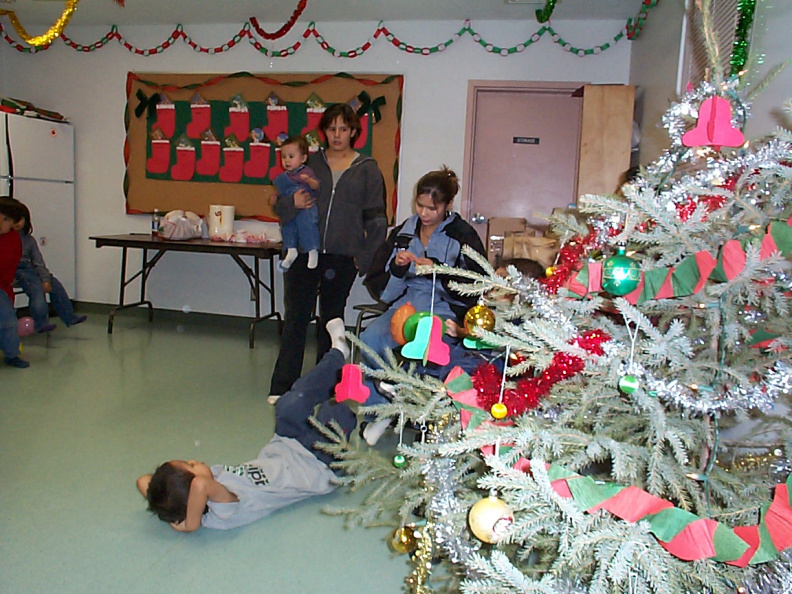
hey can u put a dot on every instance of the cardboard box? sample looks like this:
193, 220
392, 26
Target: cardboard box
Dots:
497, 228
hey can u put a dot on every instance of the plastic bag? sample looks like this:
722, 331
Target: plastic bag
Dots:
523, 245
178, 225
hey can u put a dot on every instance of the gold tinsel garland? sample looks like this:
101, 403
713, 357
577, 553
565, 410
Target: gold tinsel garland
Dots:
54, 31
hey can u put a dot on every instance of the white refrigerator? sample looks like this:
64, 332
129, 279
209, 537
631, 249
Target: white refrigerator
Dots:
37, 168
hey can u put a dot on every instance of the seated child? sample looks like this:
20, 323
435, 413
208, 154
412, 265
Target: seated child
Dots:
303, 230
36, 281
189, 494
10, 253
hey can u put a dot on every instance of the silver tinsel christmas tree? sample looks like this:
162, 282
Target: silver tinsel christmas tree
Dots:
593, 450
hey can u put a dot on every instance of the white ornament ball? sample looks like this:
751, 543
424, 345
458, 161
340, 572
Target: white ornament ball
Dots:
490, 518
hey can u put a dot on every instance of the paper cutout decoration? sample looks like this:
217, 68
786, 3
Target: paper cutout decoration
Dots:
351, 385
714, 127
428, 343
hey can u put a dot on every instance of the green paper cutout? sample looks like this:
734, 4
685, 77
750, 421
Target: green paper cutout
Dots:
782, 235
459, 384
588, 494
728, 546
667, 523
767, 550
686, 276
653, 282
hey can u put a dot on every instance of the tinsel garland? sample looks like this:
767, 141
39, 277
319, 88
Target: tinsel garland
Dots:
55, 31
528, 391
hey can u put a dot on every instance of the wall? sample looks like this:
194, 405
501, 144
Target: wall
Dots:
89, 89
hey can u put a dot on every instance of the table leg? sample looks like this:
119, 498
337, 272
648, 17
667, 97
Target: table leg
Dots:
146, 266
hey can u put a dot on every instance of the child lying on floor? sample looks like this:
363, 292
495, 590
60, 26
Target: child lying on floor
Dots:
189, 494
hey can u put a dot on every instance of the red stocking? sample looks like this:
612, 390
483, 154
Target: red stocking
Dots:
201, 118
185, 163
233, 158
259, 160
209, 163
277, 121
239, 123
166, 119
360, 143
277, 169
314, 115
159, 161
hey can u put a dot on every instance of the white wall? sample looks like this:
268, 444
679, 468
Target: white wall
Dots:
89, 88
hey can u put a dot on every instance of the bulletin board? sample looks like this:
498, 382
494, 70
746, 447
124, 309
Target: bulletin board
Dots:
200, 139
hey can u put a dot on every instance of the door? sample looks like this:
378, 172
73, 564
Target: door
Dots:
37, 149
521, 150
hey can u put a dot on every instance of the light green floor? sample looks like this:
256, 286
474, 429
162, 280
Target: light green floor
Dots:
94, 411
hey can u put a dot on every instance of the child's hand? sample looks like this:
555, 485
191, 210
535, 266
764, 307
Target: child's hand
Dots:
273, 199
454, 330
404, 257
179, 526
312, 182
47, 287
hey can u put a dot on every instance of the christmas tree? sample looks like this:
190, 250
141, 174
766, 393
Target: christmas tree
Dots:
591, 449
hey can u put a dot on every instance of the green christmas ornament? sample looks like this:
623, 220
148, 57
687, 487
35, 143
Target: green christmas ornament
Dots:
411, 324
620, 274
628, 384
399, 461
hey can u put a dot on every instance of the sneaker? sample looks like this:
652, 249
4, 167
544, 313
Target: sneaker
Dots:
78, 320
16, 362
273, 398
47, 328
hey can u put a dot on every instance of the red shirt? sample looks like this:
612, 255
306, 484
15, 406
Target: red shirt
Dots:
10, 253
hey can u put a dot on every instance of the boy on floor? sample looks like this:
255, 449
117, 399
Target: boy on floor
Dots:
189, 494
10, 253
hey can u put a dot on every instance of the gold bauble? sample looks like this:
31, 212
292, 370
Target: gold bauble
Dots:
479, 316
490, 518
499, 410
403, 540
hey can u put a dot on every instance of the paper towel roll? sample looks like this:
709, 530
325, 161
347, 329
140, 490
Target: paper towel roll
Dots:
221, 222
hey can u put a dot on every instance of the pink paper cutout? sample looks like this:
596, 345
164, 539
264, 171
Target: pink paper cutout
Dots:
351, 385
667, 288
733, 259
706, 264
778, 519
595, 277
749, 534
714, 127
632, 298
769, 247
437, 352
694, 542
632, 504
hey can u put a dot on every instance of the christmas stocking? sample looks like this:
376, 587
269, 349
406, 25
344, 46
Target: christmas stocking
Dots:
185, 163
166, 119
239, 118
233, 158
209, 163
259, 160
277, 121
277, 169
201, 115
313, 115
159, 161
364, 126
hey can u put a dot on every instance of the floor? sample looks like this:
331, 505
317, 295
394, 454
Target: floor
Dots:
94, 411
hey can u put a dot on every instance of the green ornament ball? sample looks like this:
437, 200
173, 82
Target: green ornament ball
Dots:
399, 461
620, 274
628, 384
411, 324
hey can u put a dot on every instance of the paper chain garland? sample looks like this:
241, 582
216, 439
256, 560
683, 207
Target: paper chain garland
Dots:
690, 276
250, 30
682, 533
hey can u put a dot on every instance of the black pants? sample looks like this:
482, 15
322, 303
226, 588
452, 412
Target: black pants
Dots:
333, 279
314, 389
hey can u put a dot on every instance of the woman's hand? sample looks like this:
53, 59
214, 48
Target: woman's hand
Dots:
303, 200
423, 261
47, 286
404, 257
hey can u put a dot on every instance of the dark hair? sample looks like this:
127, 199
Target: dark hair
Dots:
27, 228
526, 267
442, 185
348, 116
168, 491
11, 208
300, 141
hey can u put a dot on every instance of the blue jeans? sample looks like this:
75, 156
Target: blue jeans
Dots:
31, 284
9, 336
296, 406
302, 231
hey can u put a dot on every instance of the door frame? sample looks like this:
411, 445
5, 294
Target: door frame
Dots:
475, 87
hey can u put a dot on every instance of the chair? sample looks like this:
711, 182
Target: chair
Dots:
367, 312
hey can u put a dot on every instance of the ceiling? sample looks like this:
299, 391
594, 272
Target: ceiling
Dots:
37, 15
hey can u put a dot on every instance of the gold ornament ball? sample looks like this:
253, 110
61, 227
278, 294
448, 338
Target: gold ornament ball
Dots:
479, 316
499, 410
550, 271
403, 540
490, 518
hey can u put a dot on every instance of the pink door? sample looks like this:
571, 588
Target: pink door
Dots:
521, 150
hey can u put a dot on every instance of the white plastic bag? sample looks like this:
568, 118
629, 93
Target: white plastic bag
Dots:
178, 225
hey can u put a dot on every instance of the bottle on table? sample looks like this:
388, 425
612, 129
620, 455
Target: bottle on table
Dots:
155, 223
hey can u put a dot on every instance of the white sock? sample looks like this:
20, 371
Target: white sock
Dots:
291, 256
313, 258
336, 329
375, 430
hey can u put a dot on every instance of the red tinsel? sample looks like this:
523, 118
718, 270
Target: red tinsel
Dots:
285, 28
570, 259
529, 391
